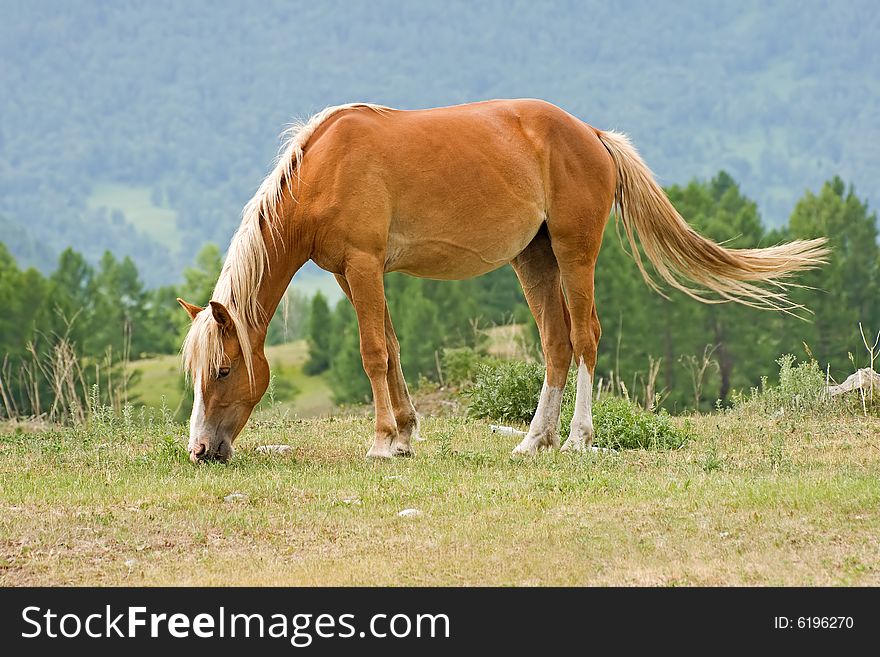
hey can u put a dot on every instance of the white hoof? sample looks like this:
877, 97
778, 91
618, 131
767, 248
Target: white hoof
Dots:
377, 452
531, 444
577, 444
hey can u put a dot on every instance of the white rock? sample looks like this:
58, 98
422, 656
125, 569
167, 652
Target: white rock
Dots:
235, 497
506, 431
406, 513
274, 449
130, 563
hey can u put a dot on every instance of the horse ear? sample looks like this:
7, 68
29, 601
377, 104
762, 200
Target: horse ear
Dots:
191, 310
221, 315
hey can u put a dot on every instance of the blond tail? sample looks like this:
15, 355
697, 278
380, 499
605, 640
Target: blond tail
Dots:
679, 254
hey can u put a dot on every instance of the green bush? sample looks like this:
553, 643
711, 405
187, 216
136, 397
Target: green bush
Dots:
460, 364
508, 391
801, 389
620, 424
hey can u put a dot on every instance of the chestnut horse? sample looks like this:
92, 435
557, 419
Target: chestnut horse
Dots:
452, 193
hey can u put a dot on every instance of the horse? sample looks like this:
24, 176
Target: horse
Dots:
453, 193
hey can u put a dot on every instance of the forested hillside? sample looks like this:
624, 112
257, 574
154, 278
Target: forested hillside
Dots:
143, 127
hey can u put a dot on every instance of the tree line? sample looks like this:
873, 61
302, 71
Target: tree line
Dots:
688, 353
83, 324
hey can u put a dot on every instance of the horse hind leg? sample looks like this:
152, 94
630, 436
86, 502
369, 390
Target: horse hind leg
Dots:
539, 276
576, 246
580, 435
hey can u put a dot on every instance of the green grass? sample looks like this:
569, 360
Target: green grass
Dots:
159, 223
158, 382
313, 396
748, 500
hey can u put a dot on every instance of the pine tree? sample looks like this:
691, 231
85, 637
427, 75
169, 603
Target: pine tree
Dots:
320, 336
71, 299
199, 280
121, 310
22, 295
743, 339
845, 290
347, 377
417, 325
640, 325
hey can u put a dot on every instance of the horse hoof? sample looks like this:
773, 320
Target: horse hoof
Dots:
379, 453
402, 450
528, 447
572, 445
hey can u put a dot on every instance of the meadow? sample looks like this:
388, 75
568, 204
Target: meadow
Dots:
750, 499
138, 208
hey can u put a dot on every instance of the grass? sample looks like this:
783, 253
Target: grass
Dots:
748, 500
160, 381
159, 223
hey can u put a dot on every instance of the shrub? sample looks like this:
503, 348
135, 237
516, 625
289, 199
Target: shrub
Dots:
460, 365
620, 424
508, 391
801, 389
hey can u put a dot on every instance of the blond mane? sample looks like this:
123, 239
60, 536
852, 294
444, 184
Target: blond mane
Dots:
247, 257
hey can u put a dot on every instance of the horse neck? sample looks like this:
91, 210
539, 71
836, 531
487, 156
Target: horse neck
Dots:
286, 255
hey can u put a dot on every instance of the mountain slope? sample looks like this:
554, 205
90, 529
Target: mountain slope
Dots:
184, 100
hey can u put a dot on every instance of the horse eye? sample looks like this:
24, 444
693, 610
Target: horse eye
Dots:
224, 372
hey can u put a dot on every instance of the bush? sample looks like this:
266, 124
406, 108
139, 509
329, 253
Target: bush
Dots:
620, 424
508, 391
460, 365
801, 389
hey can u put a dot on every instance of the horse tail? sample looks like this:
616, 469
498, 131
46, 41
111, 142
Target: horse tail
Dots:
680, 255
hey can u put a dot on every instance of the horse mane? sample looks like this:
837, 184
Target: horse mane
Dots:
247, 257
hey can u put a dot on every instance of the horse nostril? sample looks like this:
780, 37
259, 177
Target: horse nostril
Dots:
200, 449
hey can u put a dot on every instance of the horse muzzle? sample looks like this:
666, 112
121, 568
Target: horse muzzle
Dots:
202, 450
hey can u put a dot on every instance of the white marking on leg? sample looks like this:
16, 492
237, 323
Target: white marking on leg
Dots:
582, 422
380, 449
543, 429
197, 417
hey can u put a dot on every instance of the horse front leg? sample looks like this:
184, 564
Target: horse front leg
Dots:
367, 289
404, 411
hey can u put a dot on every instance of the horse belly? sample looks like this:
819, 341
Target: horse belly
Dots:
460, 252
